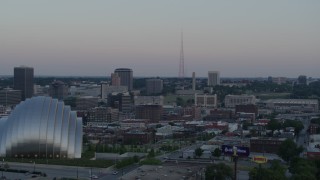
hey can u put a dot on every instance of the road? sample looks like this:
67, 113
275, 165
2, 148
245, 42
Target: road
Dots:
303, 137
67, 171
62, 171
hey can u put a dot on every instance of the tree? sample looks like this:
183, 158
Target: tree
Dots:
151, 153
198, 152
276, 172
216, 152
288, 150
303, 169
273, 125
245, 125
171, 123
218, 171
180, 101
298, 125
259, 173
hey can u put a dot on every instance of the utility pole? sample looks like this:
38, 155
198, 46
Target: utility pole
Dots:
235, 159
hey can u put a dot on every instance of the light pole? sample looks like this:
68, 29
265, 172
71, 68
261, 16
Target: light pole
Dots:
235, 159
2, 167
91, 174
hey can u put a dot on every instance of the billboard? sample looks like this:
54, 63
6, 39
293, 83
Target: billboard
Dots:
241, 151
259, 159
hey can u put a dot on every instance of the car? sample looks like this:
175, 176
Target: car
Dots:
115, 172
93, 176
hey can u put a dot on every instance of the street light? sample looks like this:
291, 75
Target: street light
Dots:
34, 166
2, 167
91, 173
235, 159
77, 172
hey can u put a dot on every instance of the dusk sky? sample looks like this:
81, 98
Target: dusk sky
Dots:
239, 38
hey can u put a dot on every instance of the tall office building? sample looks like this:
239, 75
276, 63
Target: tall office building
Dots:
115, 79
23, 80
213, 78
58, 90
154, 86
126, 77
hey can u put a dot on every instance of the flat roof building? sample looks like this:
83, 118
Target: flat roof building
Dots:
205, 100
154, 86
213, 78
231, 101
126, 77
293, 105
10, 97
58, 90
23, 81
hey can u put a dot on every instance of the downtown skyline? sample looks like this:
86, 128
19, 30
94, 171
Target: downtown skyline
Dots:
239, 39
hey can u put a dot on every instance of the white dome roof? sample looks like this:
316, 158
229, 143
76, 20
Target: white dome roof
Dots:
41, 127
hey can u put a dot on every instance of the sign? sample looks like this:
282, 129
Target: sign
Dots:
259, 159
240, 151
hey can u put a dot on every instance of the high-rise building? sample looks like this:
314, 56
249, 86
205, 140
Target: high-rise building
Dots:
126, 103
121, 101
126, 77
23, 80
115, 79
58, 90
154, 86
213, 78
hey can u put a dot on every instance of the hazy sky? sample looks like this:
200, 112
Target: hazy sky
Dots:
239, 38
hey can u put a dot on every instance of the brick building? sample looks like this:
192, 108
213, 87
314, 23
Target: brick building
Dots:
265, 145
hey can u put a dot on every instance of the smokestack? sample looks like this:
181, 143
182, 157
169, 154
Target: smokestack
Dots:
194, 81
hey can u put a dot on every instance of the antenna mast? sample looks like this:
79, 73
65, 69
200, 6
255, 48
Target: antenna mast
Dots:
181, 62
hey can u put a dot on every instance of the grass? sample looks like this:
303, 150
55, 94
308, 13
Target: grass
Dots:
265, 96
170, 99
150, 161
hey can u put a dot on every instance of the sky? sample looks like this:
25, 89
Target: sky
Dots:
246, 38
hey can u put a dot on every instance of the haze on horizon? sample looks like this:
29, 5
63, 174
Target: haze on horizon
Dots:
245, 38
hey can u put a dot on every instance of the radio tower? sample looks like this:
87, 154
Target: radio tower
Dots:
181, 62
